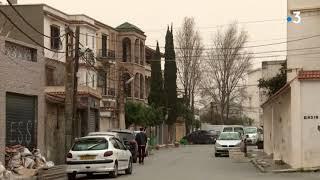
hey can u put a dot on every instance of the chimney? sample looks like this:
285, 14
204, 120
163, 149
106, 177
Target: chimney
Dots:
14, 1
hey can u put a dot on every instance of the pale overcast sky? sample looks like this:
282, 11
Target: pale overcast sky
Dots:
153, 16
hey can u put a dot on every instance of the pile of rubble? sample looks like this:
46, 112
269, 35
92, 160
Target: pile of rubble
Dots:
20, 161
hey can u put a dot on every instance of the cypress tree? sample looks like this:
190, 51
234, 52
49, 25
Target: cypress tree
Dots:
170, 82
156, 90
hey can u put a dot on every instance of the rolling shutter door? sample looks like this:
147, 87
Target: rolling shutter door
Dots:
92, 121
20, 120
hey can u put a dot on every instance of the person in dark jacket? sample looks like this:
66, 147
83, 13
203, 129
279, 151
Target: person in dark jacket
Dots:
141, 139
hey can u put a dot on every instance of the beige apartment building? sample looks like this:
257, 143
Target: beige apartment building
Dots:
121, 49
111, 50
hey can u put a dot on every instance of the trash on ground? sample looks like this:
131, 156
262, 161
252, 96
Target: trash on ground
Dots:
21, 161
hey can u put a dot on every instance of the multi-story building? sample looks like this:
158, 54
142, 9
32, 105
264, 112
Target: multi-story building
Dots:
22, 96
126, 52
251, 106
256, 96
291, 116
107, 51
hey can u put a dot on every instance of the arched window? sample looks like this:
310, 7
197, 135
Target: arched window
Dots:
126, 50
136, 85
141, 86
136, 51
141, 53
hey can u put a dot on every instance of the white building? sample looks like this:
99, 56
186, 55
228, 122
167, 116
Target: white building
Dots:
251, 107
291, 116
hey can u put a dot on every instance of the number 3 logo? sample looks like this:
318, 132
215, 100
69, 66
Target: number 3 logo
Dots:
297, 15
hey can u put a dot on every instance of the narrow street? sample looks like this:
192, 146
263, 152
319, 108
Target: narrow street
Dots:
198, 162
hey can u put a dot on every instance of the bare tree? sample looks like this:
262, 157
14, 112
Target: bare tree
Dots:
189, 51
226, 66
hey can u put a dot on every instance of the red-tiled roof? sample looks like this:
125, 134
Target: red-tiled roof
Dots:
309, 75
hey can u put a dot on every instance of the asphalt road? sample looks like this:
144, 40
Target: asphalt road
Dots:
198, 163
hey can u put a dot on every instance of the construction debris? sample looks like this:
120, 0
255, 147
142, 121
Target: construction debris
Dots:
4, 174
21, 161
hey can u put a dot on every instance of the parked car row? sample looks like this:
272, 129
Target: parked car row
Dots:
201, 137
238, 137
103, 152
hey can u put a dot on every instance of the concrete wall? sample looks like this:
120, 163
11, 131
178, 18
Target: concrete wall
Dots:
58, 68
54, 134
267, 127
180, 131
23, 77
310, 23
277, 127
32, 13
310, 127
295, 4
296, 125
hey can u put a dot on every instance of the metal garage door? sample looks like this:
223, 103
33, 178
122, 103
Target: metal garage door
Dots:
92, 121
20, 120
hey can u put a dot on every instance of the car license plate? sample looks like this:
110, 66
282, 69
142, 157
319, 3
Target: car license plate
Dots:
87, 157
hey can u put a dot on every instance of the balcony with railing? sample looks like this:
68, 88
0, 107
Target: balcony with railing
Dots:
106, 55
109, 94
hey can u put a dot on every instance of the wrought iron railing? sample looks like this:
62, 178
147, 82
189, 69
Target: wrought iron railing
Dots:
107, 54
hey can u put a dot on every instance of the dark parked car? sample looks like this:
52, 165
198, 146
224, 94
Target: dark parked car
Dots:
215, 133
200, 137
128, 138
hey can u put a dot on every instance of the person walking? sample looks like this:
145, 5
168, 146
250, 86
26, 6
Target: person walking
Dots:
141, 139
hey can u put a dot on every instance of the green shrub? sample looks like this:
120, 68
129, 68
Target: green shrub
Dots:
183, 141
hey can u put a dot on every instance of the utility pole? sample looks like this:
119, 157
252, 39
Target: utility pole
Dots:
69, 89
121, 100
211, 111
75, 73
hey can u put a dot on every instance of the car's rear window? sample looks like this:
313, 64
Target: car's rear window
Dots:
87, 144
229, 136
228, 129
126, 136
239, 130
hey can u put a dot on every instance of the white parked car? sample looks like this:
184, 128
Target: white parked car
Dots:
98, 154
227, 141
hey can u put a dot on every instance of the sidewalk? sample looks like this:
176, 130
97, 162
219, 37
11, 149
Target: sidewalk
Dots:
266, 164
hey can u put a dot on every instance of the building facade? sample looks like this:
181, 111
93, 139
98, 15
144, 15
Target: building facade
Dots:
22, 95
291, 116
251, 106
104, 52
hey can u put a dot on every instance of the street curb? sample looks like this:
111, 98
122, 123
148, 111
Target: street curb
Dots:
296, 170
255, 163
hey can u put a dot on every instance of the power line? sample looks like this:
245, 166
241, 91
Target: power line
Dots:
245, 47
24, 33
29, 24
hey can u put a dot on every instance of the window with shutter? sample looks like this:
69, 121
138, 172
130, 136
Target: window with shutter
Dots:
55, 37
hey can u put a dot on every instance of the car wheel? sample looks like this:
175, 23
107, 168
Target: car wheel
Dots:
72, 176
129, 170
114, 173
89, 175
